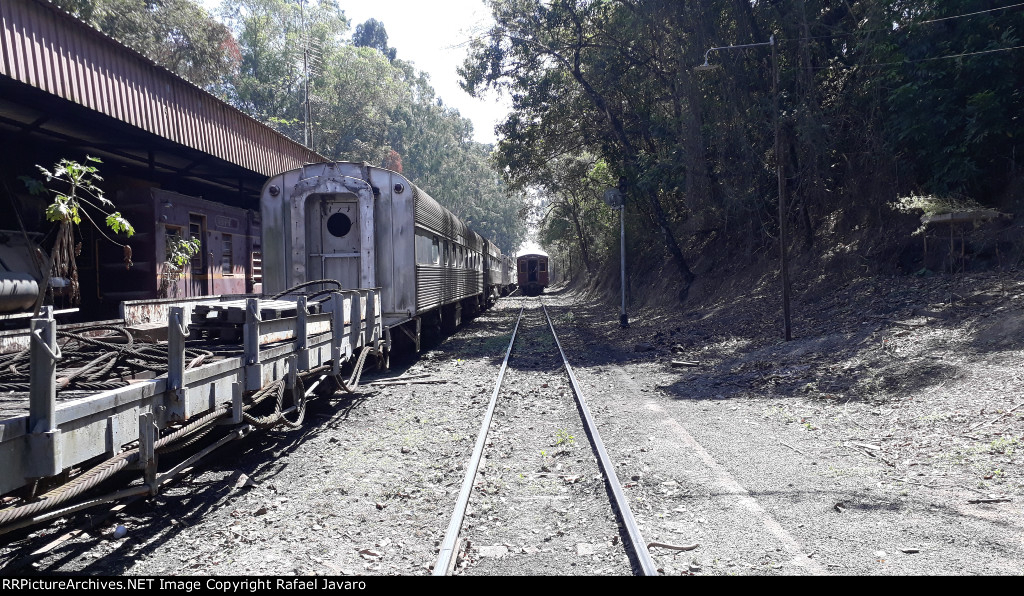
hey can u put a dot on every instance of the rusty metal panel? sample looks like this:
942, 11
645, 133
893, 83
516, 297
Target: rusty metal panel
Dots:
50, 50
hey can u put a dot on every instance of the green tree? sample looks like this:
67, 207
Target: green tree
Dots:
953, 93
372, 34
282, 44
570, 78
176, 34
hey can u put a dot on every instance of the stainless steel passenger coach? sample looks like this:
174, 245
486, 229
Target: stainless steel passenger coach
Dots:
369, 227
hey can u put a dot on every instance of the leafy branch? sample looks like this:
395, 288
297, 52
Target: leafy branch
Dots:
180, 252
81, 181
74, 187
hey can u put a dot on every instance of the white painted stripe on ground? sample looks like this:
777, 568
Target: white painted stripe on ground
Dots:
728, 485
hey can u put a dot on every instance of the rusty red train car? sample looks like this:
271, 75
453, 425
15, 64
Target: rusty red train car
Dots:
229, 260
534, 273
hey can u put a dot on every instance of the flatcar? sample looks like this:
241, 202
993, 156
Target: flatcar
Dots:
533, 272
370, 227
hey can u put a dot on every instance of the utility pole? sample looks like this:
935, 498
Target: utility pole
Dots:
307, 130
781, 175
779, 171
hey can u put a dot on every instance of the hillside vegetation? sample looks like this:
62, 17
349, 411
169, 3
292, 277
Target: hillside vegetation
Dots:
887, 110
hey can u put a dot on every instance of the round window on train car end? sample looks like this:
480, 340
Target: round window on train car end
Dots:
339, 224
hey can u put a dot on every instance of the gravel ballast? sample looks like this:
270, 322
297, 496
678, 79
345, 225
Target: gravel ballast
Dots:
885, 439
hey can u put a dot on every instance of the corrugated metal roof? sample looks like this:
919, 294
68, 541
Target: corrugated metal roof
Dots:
46, 48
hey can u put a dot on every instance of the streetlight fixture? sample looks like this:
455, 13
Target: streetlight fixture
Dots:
780, 173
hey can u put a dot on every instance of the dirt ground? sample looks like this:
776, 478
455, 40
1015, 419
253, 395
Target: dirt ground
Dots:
884, 439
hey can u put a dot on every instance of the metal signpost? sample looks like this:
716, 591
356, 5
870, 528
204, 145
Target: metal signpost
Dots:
614, 198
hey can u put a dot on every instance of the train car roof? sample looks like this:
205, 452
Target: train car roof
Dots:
531, 252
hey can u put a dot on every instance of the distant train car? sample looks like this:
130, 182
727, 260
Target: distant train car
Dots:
369, 227
533, 272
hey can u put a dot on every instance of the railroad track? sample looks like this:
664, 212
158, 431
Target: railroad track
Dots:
528, 355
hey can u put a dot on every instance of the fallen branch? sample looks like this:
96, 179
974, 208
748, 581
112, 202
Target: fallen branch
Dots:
410, 382
853, 420
401, 377
678, 363
794, 449
869, 453
913, 482
672, 546
996, 419
992, 500
900, 323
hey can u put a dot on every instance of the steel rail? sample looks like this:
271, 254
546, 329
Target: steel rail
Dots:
447, 553
622, 504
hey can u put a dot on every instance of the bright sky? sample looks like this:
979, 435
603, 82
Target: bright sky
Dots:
433, 35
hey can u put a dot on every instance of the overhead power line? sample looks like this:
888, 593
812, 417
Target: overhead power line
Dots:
946, 57
969, 14
906, 25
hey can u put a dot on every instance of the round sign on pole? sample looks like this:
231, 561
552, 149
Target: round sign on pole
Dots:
613, 197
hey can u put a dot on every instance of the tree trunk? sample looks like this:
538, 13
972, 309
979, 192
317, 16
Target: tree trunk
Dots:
670, 242
652, 193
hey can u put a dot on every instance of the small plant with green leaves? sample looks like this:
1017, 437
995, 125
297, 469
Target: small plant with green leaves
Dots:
1003, 445
562, 437
74, 188
179, 252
